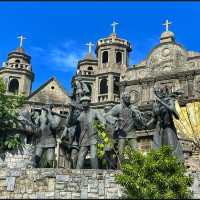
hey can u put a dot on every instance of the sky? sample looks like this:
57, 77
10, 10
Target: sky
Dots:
56, 32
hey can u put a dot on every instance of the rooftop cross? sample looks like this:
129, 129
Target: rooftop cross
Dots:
114, 24
21, 40
90, 45
166, 24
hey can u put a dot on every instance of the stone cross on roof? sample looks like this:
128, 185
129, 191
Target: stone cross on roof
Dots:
114, 24
166, 24
90, 45
21, 40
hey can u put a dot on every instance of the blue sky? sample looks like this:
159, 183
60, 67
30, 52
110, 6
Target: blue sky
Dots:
57, 32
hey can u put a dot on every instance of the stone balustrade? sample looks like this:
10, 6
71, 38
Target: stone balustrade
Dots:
103, 98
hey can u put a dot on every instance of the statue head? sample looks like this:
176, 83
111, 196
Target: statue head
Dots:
162, 92
85, 101
126, 98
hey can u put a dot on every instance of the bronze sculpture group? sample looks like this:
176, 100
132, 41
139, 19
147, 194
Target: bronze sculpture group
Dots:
121, 123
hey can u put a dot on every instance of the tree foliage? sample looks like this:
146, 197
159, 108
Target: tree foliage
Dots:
103, 139
9, 108
105, 143
158, 175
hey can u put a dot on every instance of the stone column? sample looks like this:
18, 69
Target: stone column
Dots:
183, 84
151, 92
190, 83
110, 88
96, 90
144, 92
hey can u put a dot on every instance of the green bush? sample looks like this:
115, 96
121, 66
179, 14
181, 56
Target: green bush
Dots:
158, 175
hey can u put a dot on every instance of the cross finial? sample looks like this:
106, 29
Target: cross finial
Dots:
90, 45
21, 40
114, 24
166, 24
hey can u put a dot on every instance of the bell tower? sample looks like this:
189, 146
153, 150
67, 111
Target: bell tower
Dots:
17, 72
112, 54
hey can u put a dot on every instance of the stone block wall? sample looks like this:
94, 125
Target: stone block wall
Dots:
58, 183
50, 183
19, 159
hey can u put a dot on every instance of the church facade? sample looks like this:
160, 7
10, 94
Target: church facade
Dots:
108, 74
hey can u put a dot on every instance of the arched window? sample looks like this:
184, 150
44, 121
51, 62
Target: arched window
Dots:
105, 57
119, 57
17, 61
103, 86
14, 86
90, 68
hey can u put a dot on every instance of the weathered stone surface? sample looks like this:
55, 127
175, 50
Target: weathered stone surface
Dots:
10, 182
66, 184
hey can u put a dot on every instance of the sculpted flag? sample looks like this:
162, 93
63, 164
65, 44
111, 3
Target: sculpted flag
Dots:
188, 125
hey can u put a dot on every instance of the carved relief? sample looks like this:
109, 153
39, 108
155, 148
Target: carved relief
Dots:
167, 57
191, 64
165, 52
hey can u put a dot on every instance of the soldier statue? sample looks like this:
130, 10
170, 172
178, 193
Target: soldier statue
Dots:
128, 118
163, 111
88, 134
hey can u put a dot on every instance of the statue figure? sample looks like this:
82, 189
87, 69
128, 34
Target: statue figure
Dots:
163, 112
81, 89
128, 119
110, 121
88, 134
69, 139
110, 129
46, 140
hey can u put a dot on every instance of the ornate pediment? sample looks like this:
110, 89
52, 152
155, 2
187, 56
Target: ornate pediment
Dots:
166, 58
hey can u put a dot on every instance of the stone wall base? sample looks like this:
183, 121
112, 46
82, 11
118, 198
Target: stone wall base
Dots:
58, 183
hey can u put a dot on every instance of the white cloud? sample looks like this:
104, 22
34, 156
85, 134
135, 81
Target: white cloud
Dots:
63, 57
64, 60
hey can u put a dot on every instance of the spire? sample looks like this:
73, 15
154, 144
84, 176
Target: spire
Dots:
167, 36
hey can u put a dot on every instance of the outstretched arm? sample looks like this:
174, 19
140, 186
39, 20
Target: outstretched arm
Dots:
100, 118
